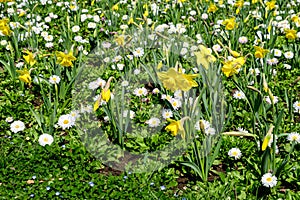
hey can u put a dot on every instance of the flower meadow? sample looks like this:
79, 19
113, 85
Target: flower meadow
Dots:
146, 99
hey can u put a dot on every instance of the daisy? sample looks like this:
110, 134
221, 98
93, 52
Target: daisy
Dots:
167, 113
243, 39
289, 55
268, 180
54, 79
17, 126
276, 52
203, 123
176, 103
235, 152
239, 95
140, 92
153, 122
66, 121
155, 91
45, 139
296, 106
242, 130
9, 119
139, 52
124, 83
210, 131
287, 66
75, 29
294, 137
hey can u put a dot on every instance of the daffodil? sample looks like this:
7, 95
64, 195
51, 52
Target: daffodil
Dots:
175, 80
29, 58
212, 8
120, 40
230, 24
4, 27
115, 7
204, 57
290, 34
24, 76
271, 4
65, 59
267, 138
260, 52
232, 67
104, 96
174, 127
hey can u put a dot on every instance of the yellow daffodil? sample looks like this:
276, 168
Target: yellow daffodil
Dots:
104, 96
115, 7
204, 57
260, 52
271, 4
29, 58
120, 40
174, 127
290, 34
232, 67
230, 24
174, 80
24, 76
4, 27
212, 8
146, 13
65, 59
239, 4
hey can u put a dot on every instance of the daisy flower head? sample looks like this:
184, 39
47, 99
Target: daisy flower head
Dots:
17, 126
75, 29
138, 52
243, 39
155, 91
45, 139
296, 106
294, 137
235, 152
276, 52
210, 131
167, 113
288, 55
9, 119
66, 121
176, 103
153, 122
140, 92
54, 79
268, 180
239, 95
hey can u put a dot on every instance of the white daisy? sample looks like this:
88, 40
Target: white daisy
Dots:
54, 79
268, 180
131, 114
66, 121
268, 99
45, 139
153, 122
9, 119
138, 52
239, 95
289, 55
235, 152
75, 29
140, 92
296, 106
176, 103
167, 113
294, 137
17, 126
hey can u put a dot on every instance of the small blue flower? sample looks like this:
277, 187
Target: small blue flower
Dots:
48, 188
125, 177
57, 193
32, 195
151, 184
91, 184
33, 177
162, 187
129, 173
63, 146
183, 198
